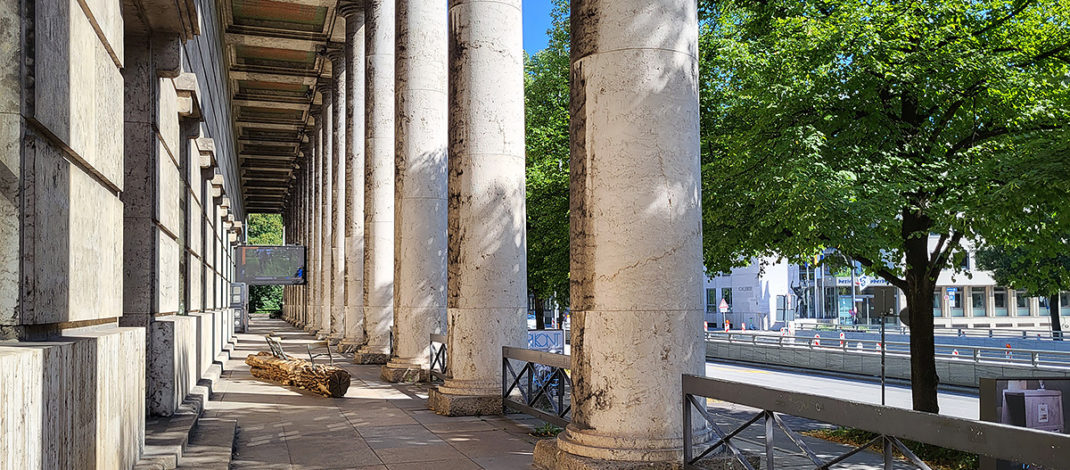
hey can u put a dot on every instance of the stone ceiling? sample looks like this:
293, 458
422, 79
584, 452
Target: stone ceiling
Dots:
274, 54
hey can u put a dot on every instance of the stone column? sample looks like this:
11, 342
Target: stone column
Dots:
315, 166
636, 234
487, 294
338, 192
316, 264
353, 335
379, 183
420, 204
326, 204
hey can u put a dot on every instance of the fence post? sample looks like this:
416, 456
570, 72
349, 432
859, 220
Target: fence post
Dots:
687, 429
1036, 359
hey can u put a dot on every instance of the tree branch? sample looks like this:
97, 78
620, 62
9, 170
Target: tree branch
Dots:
939, 249
941, 260
882, 272
980, 137
1000, 22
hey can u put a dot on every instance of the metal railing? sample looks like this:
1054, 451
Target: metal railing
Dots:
438, 358
890, 424
542, 383
1022, 357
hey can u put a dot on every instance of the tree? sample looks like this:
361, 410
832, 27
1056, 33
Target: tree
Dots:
265, 229
546, 95
1039, 274
889, 130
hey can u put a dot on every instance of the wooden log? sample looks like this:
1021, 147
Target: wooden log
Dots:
329, 381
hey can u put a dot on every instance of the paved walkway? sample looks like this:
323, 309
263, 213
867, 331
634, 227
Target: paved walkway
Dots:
377, 425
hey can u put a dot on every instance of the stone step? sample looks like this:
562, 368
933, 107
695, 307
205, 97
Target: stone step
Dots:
211, 445
167, 438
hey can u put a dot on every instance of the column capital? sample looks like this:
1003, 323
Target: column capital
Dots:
336, 55
324, 86
348, 9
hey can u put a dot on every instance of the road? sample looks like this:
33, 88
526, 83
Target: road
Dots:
862, 390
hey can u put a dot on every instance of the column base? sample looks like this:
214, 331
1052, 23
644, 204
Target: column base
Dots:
463, 405
370, 357
548, 455
403, 373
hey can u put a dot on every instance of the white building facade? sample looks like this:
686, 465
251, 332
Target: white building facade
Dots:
768, 294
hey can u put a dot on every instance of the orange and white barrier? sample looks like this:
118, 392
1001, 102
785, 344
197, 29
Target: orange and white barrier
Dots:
817, 339
842, 337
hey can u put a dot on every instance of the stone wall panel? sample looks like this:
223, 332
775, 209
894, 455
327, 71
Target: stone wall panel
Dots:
167, 273
10, 211
78, 268
78, 89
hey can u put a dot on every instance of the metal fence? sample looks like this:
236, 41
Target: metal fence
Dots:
987, 354
541, 382
1000, 441
438, 358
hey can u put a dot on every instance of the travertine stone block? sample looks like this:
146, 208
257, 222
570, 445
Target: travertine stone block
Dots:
168, 191
196, 286
167, 117
171, 372
204, 356
78, 88
10, 210
166, 273
108, 16
73, 402
10, 53
78, 253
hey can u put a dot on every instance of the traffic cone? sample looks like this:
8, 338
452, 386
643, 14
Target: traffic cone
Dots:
817, 339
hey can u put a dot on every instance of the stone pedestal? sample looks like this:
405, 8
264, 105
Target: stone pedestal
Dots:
487, 264
636, 233
549, 456
379, 190
420, 204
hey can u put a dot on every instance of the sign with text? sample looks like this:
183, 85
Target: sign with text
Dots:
547, 340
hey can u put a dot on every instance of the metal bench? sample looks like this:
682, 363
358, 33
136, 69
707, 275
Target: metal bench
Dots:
275, 345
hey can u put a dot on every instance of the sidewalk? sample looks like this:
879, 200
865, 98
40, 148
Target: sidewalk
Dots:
377, 425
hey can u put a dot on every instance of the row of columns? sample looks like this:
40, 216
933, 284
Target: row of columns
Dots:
442, 237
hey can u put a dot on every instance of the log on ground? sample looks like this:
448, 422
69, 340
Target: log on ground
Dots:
329, 381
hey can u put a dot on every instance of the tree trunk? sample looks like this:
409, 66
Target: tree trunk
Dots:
540, 312
1053, 310
923, 378
329, 381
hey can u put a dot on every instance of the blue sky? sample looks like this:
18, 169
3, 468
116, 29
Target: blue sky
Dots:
536, 22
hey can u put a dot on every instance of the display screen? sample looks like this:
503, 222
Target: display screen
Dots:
270, 265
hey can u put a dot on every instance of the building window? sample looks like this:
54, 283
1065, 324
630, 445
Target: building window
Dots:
955, 301
726, 294
999, 301
937, 311
1064, 303
1043, 301
978, 298
711, 301
1022, 303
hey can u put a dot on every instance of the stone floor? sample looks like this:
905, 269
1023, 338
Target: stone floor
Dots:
377, 425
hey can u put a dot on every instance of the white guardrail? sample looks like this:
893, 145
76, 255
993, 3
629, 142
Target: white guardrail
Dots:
831, 341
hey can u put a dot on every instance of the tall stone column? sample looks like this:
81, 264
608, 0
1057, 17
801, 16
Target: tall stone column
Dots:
326, 205
353, 335
315, 261
420, 204
338, 191
487, 294
636, 236
379, 183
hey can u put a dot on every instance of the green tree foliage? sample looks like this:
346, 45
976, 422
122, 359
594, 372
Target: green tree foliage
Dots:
265, 229
1039, 273
546, 91
866, 126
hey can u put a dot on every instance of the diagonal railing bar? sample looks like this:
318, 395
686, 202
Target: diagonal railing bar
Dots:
797, 440
438, 357
848, 455
907, 453
543, 378
725, 439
